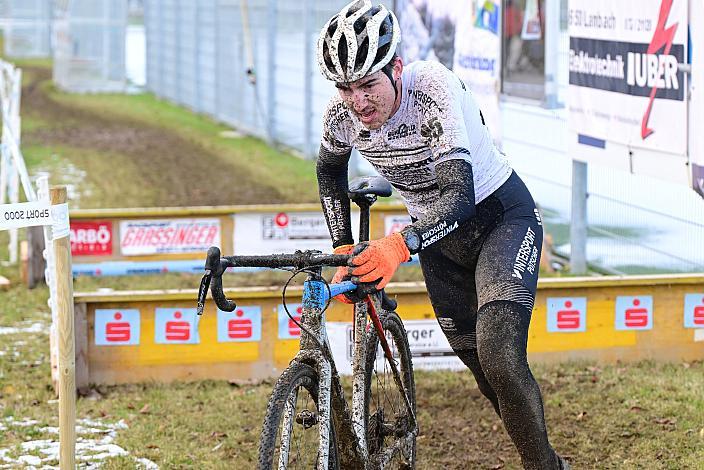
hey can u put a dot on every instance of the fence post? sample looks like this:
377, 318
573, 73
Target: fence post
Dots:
308, 16
35, 259
271, 72
66, 332
578, 223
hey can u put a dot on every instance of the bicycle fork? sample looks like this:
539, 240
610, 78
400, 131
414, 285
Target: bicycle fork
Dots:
392, 363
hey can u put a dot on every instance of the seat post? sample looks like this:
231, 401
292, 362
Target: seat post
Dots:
365, 203
364, 191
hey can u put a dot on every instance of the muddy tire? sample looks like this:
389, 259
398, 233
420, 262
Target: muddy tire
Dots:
387, 418
300, 381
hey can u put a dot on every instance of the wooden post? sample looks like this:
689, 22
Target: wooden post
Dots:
67, 344
81, 325
35, 256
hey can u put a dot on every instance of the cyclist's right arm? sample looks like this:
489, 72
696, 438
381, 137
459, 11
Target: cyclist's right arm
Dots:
331, 170
332, 186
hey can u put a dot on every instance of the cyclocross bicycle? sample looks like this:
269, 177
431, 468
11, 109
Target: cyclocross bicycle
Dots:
308, 422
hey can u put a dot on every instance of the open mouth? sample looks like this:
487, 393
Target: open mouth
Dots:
367, 115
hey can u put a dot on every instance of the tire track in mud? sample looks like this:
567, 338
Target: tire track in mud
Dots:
173, 165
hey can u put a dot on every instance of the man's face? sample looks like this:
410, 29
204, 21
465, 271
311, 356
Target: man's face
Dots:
372, 98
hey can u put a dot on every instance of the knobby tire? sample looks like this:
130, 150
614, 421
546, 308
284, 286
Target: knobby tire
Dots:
393, 410
296, 376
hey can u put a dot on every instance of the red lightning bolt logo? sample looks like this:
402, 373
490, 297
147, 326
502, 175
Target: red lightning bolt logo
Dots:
662, 38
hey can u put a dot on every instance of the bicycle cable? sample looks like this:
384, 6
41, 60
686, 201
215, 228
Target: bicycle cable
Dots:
308, 270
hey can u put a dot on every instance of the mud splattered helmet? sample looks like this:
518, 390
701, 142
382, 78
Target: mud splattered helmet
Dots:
360, 40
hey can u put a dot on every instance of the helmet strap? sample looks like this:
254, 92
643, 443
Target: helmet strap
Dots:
388, 72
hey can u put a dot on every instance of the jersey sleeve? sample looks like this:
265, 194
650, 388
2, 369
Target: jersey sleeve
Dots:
440, 94
455, 205
331, 170
336, 128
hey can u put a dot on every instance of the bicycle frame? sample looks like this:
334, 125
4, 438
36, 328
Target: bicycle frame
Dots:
350, 427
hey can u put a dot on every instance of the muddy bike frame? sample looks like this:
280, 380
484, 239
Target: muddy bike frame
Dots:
315, 351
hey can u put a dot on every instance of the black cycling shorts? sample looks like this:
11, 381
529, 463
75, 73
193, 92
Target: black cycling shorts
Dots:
493, 256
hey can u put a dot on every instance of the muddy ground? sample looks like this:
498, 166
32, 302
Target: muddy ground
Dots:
183, 172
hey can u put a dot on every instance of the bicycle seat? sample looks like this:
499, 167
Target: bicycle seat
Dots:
365, 185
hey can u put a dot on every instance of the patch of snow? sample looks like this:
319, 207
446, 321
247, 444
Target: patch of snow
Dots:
94, 443
33, 328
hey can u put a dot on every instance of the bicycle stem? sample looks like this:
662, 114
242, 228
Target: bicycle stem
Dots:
392, 363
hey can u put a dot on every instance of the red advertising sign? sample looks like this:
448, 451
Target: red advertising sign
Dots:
150, 237
569, 318
239, 328
567, 314
91, 238
637, 316
293, 328
118, 331
117, 327
178, 330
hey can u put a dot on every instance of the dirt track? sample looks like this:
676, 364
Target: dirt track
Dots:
174, 166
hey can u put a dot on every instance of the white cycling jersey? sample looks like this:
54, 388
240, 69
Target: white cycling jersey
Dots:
437, 120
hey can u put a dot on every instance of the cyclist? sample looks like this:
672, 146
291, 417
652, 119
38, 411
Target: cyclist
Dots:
475, 226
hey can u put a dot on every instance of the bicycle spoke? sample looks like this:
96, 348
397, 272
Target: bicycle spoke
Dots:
299, 432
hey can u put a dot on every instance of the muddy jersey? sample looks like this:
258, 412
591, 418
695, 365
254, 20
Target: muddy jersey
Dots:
438, 120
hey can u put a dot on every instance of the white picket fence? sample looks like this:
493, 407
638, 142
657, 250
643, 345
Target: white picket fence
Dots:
13, 171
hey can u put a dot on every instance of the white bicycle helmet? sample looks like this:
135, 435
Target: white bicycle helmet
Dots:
360, 40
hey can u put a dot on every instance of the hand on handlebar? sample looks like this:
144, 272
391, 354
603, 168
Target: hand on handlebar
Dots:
343, 272
379, 260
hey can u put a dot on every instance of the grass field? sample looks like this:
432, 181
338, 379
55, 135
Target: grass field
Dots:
139, 151
632, 416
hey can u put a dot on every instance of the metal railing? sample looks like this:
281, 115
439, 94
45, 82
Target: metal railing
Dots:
199, 54
626, 237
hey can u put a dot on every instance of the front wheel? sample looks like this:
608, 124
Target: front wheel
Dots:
291, 433
391, 437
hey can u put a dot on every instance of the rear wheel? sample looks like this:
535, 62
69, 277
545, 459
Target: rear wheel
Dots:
291, 432
390, 435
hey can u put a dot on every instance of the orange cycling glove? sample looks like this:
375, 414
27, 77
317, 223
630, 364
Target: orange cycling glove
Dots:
380, 259
343, 272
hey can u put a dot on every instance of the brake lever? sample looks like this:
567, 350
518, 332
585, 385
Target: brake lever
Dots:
203, 290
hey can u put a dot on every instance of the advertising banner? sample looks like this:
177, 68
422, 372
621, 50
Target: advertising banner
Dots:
567, 314
117, 327
463, 35
634, 313
288, 328
625, 83
91, 238
694, 310
176, 326
150, 237
429, 347
696, 122
242, 325
283, 232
